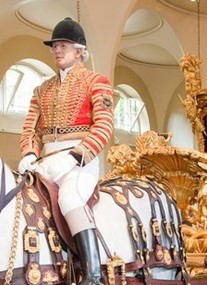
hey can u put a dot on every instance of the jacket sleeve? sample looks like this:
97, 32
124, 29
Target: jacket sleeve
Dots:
101, 97
30, 141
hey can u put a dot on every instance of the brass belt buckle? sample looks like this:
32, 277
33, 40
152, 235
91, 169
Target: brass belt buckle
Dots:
31, 240
54, 240
155, 228
113, 262
55, 132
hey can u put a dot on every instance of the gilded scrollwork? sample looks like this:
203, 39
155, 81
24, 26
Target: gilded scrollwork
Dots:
195, 213
122, 157
190, 65
194, 103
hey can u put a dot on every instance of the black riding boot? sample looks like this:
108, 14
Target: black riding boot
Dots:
87, 246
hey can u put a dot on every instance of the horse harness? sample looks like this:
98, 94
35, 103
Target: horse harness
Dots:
36, 210
145, 260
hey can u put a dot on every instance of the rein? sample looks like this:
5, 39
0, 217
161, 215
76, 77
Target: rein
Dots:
6, 198
49, 154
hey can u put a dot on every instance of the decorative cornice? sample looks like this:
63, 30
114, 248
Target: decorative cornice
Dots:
182, 10
31, 24
144, 33
131, 60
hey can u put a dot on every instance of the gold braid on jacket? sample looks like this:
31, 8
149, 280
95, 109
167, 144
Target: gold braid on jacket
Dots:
81, 107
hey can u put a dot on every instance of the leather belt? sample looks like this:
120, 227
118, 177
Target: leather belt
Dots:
67, 130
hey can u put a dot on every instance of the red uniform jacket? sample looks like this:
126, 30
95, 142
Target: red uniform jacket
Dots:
81, 107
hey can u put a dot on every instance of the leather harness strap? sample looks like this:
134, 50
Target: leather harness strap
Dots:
121, 198
19, 276
36, 210
6, 198
160, 255
176, 256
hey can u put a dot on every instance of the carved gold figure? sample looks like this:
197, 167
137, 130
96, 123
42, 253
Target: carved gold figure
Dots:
196, 97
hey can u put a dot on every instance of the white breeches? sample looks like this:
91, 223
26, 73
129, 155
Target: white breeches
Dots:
76, 187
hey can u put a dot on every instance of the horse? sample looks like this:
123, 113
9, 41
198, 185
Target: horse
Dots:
13, 223
138, 226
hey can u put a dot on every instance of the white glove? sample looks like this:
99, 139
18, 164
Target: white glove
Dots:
61, 166
26, 163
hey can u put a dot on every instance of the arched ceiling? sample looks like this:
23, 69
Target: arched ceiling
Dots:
142, 39
28, 13
145, 29
187, 5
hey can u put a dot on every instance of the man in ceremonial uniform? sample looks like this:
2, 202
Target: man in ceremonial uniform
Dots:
72, 110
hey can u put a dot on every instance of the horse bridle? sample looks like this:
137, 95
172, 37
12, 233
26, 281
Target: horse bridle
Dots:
6, 198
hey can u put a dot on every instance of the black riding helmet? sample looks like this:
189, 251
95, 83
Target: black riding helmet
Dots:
67, 30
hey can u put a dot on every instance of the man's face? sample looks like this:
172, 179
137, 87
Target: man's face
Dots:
65, 55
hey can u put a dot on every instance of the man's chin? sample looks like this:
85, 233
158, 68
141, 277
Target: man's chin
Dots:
59, 63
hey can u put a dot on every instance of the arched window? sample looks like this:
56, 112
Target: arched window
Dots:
16, 90
130, 115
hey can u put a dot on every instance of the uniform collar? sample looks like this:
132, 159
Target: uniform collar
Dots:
64, 72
